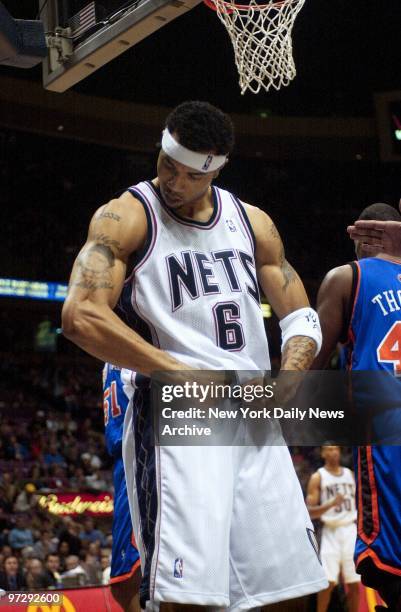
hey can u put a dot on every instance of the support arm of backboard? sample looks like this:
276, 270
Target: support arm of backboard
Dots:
108, 42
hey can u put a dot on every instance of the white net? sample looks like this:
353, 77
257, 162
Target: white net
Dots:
262, 39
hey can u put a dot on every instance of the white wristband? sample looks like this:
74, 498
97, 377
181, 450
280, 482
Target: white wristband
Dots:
301, 322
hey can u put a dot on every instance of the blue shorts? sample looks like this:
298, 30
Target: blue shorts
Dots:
378, 495
125, 557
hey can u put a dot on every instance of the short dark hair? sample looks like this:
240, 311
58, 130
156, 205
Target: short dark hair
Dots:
379, 212
202, 127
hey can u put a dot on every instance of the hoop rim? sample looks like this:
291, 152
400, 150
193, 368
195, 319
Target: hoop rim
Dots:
230, 6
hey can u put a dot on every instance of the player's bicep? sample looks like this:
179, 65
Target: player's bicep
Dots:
98, 274
313, 490
283, 288
279, 281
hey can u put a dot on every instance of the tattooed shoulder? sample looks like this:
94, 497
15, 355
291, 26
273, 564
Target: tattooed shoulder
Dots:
104, 214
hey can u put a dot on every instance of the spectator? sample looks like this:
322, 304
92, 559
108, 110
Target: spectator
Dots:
53, 456
96, 481
35, 576
93, 568
58, 478
20, 536
63, 552
89, 532
5, 526
44, 545
8, 489
105, 561
70, 534
75, 574
7, 551
52, 571
12, 579
26, 500
78, 480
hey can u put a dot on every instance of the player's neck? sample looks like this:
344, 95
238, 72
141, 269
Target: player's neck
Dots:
388, 257
199, 209
336, 470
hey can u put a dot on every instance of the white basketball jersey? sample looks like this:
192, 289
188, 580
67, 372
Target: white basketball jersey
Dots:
330, 486
193, 291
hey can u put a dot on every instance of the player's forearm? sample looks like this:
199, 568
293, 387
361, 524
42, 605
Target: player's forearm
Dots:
101, 333
316, 512
298, 353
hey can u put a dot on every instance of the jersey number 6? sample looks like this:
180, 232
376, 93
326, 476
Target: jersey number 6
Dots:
229, 332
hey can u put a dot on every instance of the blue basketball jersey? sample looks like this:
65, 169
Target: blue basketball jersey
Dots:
375, 329
125, 556
375, 345
115, 402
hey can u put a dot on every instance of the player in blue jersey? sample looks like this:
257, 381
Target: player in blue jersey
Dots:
125, 563
382, 235
359, 304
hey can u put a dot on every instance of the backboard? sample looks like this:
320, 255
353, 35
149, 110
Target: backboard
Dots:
87, 34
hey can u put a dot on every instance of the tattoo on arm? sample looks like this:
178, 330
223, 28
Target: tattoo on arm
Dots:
298, 353
274, 232
289, 274
109, 215
94, 268
107, 241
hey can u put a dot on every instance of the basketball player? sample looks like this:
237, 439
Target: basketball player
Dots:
384, 236
125, 563
331, 498
359, 304
215, 526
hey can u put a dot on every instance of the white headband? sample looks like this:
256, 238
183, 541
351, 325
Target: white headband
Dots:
202, 162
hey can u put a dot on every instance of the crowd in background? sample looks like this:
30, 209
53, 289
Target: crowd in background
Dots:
51, 440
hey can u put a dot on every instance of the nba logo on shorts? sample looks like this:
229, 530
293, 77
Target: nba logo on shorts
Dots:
178, 568
207, 163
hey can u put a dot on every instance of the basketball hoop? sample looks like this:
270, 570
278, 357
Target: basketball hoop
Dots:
262, 41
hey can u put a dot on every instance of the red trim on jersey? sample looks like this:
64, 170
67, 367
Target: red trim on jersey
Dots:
128, 575
373, 510
383, 566
350, 334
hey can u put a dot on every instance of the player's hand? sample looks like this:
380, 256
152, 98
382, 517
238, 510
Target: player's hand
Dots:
338, 500
383, 236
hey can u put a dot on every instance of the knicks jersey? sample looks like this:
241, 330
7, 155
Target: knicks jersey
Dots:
332, 485
375, 329
193, 291
375, 345
115, 401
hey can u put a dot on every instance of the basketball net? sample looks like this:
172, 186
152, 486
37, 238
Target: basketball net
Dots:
262, 41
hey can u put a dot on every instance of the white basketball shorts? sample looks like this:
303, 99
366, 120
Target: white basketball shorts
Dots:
225, 527
337, 553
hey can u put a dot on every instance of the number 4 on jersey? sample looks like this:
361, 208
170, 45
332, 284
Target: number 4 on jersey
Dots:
389, 349
114, 408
